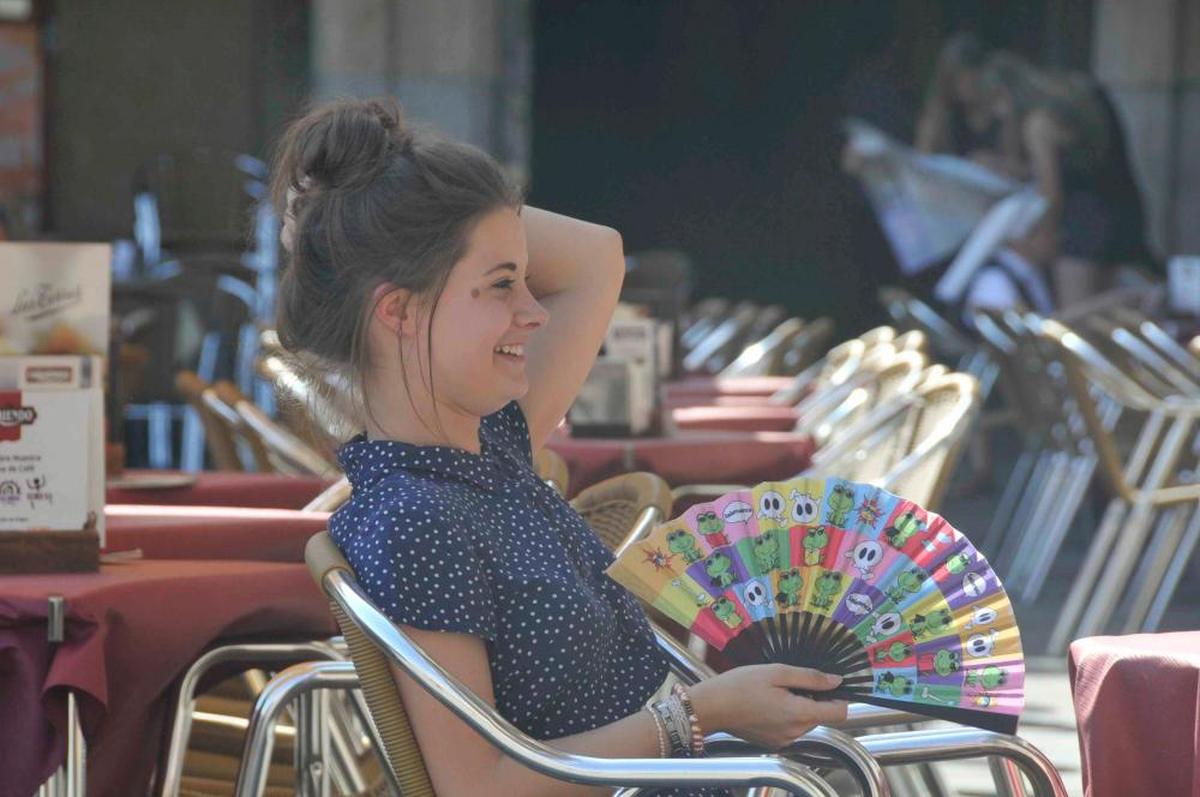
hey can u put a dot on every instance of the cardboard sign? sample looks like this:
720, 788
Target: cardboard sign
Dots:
54, 298
51, 444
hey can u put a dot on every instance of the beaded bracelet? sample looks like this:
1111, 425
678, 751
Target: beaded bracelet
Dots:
697, 735
660, 732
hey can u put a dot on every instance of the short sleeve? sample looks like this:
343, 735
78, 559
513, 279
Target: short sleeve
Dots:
413, 554
508, 430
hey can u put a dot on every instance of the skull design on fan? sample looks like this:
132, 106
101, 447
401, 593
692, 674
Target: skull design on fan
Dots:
771, 506
981, 645
805, 508
866, 556
755, 594
886, 625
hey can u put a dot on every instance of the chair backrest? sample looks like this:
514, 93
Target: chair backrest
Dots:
318, 410
833, 369
285, 451
807, 347
379, 687
331, 498
762, 357
620, 508
912, 340
218, 428
552, 469
948, 406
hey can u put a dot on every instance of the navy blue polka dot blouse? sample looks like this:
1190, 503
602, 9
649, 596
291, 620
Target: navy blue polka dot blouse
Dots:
444, 539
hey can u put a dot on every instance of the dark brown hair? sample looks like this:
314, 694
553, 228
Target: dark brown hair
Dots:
376, 202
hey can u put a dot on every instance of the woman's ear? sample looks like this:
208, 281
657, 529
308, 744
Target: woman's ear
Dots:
394, 308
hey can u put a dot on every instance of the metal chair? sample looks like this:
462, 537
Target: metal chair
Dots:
623, 508
1144, 485
218, 431
763, 357
1050, 479
375, 643
716, 348
807, 347
284, 451
331, 498
700, 319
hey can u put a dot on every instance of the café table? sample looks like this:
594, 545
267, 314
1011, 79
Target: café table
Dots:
1137, 706
211, 532
131, 630
685, 457
699, 388
766, 418
214, 488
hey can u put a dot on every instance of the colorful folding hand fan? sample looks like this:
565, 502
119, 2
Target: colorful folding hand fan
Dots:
845, 578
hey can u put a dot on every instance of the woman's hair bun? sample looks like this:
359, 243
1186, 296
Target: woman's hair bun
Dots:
346, 145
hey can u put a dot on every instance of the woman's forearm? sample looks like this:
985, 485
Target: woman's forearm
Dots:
567, 253
634, 736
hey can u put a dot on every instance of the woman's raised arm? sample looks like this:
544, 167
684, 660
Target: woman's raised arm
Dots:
575, 271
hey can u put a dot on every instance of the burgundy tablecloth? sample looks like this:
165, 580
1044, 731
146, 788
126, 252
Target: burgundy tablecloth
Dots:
131, 630
732, 386
687, 457
227, 488
1137, 703
736, 419
211, 532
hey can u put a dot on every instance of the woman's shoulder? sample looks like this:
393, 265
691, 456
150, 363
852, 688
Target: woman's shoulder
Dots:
400, 509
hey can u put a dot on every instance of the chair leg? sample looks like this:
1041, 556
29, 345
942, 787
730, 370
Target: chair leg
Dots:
1009, 556
1034, 531
1009, 501
1124, 557
1059, 523
1164, 547
1007, 777
1081, 588
312, 744
1162, 598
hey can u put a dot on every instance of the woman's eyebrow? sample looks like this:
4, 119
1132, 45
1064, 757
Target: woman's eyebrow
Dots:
499, 266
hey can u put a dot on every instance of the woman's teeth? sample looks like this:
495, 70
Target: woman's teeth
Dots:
516, 351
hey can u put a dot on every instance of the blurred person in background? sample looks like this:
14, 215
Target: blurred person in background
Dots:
1060, 131
956, 118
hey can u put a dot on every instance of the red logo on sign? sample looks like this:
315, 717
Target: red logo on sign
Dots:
13, 415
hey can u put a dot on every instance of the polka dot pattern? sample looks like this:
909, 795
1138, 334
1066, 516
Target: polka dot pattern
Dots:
444, 539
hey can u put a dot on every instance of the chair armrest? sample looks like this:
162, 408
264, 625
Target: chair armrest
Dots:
912, 747
843, 748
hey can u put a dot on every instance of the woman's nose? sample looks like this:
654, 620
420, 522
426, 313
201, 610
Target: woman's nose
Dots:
531, 314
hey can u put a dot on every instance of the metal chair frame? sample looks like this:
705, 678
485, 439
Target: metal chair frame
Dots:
344, 741
761, 357
1142, 485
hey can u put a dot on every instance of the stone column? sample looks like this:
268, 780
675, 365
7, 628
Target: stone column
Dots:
1148, 55
461, 66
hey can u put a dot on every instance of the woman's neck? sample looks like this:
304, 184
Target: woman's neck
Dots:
419, 420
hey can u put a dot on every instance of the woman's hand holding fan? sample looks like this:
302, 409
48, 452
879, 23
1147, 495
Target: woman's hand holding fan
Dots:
756, 703
843, 578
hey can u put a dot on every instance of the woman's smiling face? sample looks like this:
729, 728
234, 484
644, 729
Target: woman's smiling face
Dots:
483, 319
